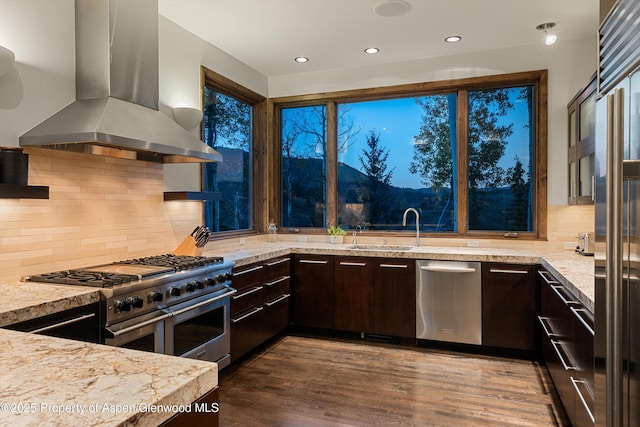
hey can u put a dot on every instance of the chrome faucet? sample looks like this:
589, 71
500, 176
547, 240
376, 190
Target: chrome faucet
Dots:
404, 223
356, 230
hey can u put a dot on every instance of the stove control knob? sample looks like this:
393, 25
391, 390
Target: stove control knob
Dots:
219, 278
154, 296
209, 281
136, 301
190, 287
199, 284
175, 292
123, 305
227, 276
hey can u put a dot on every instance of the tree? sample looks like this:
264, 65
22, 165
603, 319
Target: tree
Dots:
226, 121
377, 181
303, 141
518, 212
435, 148
433, 157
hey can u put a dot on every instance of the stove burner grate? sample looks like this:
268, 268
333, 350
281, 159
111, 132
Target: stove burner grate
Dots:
84, 278
177, 262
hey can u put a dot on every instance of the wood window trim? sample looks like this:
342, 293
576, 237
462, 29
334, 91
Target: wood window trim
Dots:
259, 117
537, 78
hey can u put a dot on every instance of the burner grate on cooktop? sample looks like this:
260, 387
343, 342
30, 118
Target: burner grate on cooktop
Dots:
177, 262
84, 278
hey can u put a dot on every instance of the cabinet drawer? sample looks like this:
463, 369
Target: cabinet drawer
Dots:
278, 286
276, 267
247, 275
248, 297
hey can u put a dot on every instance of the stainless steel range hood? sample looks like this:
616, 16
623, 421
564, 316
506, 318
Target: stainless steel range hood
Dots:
116, 111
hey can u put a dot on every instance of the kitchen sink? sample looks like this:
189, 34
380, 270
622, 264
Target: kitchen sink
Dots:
381, 247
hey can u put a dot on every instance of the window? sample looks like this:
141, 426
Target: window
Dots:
500, 155
227, 126
304, 152
394, 154
468, 154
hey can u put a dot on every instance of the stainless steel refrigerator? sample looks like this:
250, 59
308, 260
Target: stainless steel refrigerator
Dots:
617, 255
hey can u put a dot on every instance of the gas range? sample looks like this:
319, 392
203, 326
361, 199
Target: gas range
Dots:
138, 286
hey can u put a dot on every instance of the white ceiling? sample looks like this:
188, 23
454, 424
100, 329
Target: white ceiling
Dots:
268, 34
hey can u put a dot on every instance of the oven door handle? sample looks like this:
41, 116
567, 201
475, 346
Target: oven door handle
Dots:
227, 294
120, 332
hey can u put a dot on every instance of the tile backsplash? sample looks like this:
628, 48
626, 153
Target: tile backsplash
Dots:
103, 209
100, 209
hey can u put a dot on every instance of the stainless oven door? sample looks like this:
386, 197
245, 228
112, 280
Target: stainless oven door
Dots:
146, 333
199, 328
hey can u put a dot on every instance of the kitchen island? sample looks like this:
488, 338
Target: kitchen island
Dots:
54, 381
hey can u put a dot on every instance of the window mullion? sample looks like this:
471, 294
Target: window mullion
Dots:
462, 162
332, 164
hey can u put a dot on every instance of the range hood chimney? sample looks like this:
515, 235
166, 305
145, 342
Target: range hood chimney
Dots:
116, 111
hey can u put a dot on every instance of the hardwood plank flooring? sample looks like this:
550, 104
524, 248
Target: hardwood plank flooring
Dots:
304, 381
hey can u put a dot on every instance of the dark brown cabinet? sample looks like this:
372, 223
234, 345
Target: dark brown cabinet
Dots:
353, 294
567, 348
509, 306
581, 141
260, 309
314, 291
204, 413
394, 297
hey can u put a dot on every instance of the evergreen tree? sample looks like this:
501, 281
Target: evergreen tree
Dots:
378, 179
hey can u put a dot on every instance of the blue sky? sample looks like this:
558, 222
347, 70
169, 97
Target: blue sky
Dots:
397, 121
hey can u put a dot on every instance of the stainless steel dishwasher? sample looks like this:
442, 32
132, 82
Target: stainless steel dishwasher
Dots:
449, 301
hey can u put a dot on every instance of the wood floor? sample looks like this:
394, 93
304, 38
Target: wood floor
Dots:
302, 381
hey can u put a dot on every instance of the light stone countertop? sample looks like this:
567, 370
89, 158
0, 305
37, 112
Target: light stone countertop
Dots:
57, 382
573, 270
26, 300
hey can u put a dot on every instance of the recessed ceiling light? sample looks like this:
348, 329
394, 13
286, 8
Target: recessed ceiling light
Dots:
550, 38
372, 50
392, 8
301, 59
453, 39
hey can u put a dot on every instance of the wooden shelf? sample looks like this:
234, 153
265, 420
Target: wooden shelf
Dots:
191, 196
16, 191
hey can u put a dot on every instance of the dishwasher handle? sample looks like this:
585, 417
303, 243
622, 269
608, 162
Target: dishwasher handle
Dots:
441, 269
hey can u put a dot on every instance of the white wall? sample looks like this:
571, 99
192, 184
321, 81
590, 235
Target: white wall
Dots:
570, 64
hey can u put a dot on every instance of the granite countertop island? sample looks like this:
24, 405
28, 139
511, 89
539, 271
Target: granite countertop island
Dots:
59, 382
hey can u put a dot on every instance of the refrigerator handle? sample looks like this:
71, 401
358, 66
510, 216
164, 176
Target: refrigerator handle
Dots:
613, 281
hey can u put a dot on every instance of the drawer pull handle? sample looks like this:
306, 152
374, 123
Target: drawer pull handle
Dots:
544, 274
556, 289
545, 328
575, 382
244, 294
566, 367
249, 314
437, 269
248, 270
394, 266
496, 270
312, 261
282, 279
282, 298
276, 262
584, 322
354, 264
